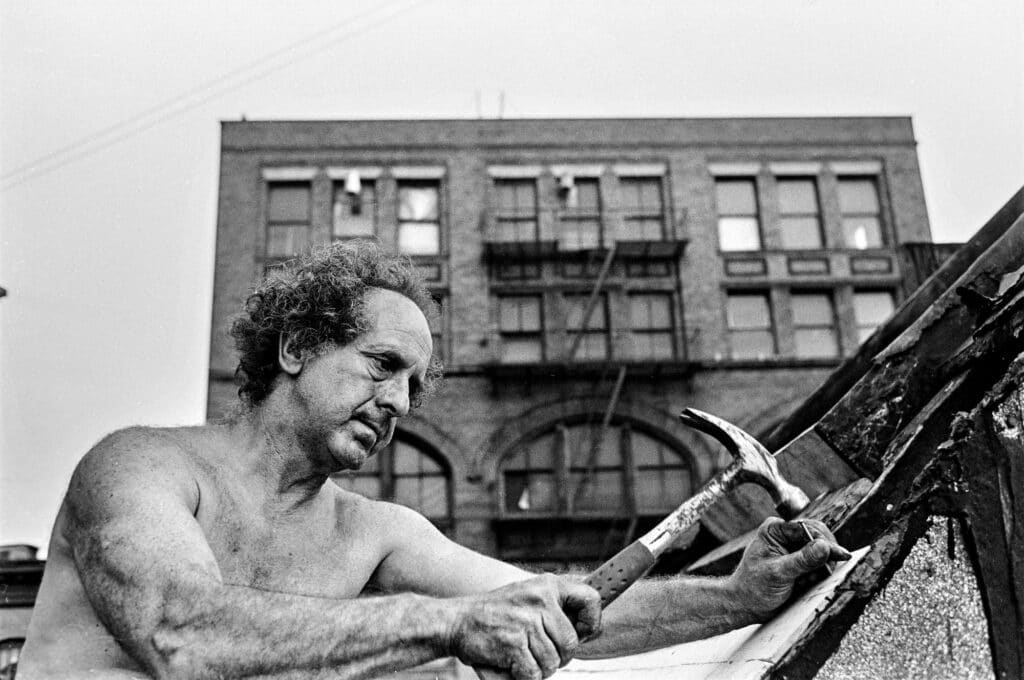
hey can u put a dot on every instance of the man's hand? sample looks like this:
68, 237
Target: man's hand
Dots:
529, 629
780, 553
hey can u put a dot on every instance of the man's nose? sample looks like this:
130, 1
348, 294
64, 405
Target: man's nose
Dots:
393, 396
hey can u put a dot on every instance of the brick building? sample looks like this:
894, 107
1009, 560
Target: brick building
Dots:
595, 276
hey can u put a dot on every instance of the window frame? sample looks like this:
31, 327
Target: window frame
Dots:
670, 329
268, 223
815, 214
338, 186
772, 326
752, 180
436, 183
563, 468
876, 184
632, 214
504, 333
571, 331
833, 326
576, 216
515, 216
857, 326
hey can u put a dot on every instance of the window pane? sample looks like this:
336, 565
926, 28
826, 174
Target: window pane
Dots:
520, 313
526, 350
870, 310
862, 232
652, 345
577, 304
517, 196
407, 459
812, 309
738, 233
581, 439
364, 485
513, 231
797, 196
416, 238
662, 489
526, 492
736, 196
813, 343
748, 311
800, 233
648, 451
418, 203
603, 492
288, 203
286, 241
644, 228
428, 495
641, 195
593, 346
352, 215
858, 195
587, 198
580, 234
650, 310
751, 344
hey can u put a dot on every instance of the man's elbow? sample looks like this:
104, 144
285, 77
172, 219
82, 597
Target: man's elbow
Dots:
181, 644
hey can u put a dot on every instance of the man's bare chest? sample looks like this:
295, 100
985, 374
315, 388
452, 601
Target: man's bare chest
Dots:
304, 553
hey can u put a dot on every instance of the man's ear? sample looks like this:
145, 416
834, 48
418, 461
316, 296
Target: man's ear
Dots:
288, 359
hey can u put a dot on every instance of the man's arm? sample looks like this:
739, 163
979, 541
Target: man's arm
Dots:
653, 613
153, 581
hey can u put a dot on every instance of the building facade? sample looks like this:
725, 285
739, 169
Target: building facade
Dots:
595, 277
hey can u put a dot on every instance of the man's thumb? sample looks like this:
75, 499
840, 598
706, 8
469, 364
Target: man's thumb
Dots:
812, 556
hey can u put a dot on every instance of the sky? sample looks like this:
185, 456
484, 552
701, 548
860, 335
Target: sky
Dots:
109, 144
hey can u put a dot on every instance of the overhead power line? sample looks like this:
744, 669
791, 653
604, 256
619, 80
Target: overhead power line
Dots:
183, 102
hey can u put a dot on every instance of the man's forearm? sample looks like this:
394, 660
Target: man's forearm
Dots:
238, 631
656, 613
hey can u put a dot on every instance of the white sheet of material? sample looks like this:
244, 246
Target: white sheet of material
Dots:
743, 654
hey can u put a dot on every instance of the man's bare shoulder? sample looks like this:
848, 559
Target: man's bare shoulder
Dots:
141, 457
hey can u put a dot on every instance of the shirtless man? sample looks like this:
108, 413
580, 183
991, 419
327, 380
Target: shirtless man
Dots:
225, 551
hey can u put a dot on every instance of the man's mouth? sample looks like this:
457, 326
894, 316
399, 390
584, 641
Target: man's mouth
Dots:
374, 430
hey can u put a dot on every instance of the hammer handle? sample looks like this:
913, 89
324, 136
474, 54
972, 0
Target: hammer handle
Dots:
620, 572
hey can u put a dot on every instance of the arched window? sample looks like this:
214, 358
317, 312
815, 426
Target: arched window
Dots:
409, 473
591, 487
581, 468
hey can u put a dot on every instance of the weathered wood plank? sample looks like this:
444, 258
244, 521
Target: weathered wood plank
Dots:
908, 372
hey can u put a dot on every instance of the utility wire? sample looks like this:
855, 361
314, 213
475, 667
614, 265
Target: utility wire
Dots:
106, 137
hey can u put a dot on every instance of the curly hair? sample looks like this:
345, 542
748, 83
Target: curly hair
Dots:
318, 301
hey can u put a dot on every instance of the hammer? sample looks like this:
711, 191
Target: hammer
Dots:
753, 463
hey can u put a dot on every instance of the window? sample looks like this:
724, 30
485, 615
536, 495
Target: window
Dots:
354, 214
738, 225
647, 268
662, 475
860, 212
870, 310
814, 326
593, 339
799, 223
288, 218
513, 270
749, 321
581, 216
642, 208
581, 468
515, 217
529, 477
419, 217
519, 322
405, 473
650, 323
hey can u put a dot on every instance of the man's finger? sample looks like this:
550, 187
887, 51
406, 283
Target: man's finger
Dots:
582, 604
562, 632
814, 555
544, 652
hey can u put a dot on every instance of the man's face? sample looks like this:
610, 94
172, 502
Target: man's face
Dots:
352, 396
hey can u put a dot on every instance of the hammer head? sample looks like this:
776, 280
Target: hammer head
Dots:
755, 462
